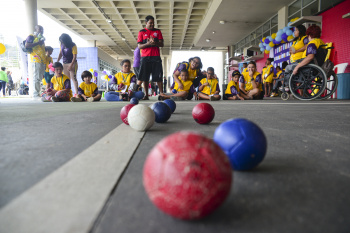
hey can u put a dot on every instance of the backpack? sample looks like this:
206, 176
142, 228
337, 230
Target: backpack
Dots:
24, 49
328, 67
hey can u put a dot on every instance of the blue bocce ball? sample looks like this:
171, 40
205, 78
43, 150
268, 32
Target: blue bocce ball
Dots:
162, 111
243, 142
134, 100
171, 104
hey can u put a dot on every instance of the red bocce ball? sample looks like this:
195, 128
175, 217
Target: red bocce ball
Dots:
203, 113
124, 113
187, 175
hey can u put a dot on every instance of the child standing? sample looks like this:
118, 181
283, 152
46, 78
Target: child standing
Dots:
60, 88
177, 93
87, 91
268, 76
209, 87
48, 75
232, 91
122, 84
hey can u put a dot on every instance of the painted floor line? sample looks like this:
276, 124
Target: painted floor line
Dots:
71, 198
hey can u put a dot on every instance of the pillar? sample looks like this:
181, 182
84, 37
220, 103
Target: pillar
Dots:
282, 17
32, 18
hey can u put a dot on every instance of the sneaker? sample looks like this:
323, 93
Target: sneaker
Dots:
55, 99
44, 99
176, 98
75, 99
75, 95
90, 99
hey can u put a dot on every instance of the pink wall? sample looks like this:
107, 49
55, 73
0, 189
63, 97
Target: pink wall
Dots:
337, 30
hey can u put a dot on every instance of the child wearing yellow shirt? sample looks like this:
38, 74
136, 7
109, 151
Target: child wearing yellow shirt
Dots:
48, 73
87, 91
209, 87
177, 93
60, 88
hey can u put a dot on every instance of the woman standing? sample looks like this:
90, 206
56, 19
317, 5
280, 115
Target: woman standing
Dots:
69, 51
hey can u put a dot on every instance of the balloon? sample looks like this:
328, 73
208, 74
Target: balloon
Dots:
267, 51
271, 44
278, 38
289, 23
91, 70
104, 72
52, 69
280, 32
95, 74
290, 38
275, 42
110, 76
289, 32
262, 49
267, 41
2, 48
285, 29
268, 47
284, 36
263, 39
273, 36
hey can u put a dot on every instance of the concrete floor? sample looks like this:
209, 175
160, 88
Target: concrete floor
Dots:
301, 186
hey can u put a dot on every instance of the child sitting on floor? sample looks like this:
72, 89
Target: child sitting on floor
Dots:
87, 91
60, 88
232, 91
122, 84
177, 93
209, 87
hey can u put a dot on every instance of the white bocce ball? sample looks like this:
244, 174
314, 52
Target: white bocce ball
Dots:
141, 117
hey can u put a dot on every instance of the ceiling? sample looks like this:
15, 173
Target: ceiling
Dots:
185, 24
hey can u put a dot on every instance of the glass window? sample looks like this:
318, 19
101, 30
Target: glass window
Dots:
267, 34
259, 31
328, 3
293, 8
295, 15
311, 9
307, 2
266, 26
274, 29
274, 21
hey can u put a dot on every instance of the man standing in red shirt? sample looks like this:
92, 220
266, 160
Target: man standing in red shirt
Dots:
149, 40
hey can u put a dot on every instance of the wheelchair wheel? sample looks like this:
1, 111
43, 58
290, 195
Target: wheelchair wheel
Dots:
285, 96
332, 84
309, 83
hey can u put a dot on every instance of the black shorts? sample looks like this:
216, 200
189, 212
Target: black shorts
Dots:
151, 65
228, 95
137, 72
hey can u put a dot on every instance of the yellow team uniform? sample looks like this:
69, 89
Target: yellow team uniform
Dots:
229, 85
317, 42
48, 61
38, 54
248, 83
266, 71
187, 85
245, 70
211, 89
88, 88
44, 82
192, 74
278, 74
297, 45
124, 78
58, 83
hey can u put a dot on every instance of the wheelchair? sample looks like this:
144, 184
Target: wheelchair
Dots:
313, 81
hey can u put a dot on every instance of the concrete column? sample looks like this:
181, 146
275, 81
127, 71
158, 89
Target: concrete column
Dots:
32, 18
165, 67
91, 43
282, 17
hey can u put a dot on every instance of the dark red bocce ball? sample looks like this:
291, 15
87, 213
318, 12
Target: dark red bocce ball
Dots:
187, 175
203, 113
124, 113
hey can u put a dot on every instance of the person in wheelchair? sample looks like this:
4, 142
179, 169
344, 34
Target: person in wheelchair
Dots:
279, 81
314, 34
